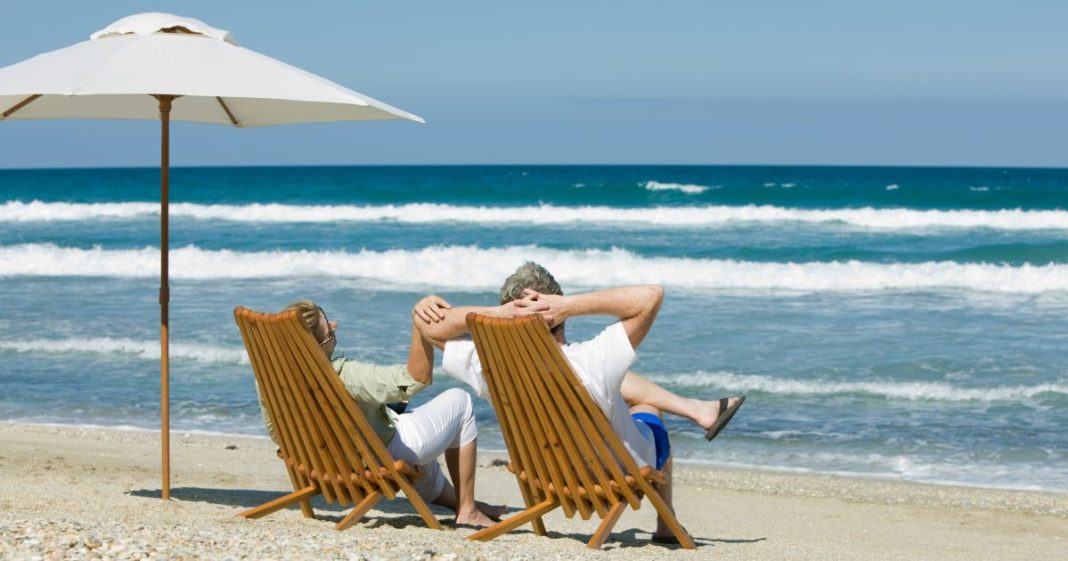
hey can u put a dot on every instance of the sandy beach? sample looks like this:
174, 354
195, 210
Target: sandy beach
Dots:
74, 493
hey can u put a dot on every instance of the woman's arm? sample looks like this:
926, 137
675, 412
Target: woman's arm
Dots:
420, 357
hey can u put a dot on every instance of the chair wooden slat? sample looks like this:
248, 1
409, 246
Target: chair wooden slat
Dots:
586, 459
297, 390
304, 446
326, 444
271, 402
557, 418
353, 422
545, 440
323, 416
591, 419
562, 446
506, 418
371, 451
504, 394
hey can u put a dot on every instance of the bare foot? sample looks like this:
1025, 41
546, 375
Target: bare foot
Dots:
704, 413
494, 512
473, 518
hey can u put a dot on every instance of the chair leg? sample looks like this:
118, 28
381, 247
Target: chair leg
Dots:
419, 504
515, 521
358, 511
528, 499
305, 505
665, 513
605, 529
281, 502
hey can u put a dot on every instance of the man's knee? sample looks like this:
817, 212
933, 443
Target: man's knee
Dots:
643, 408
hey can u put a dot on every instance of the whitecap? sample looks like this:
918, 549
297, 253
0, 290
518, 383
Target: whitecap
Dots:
681, 187
889, 389
707, 216
198, 352
435, 267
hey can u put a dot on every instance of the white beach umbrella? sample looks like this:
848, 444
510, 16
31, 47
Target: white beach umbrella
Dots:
166, 67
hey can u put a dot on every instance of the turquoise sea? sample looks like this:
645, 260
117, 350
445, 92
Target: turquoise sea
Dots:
905, 323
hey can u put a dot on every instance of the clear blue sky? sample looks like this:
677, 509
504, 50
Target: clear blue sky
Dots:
901, 82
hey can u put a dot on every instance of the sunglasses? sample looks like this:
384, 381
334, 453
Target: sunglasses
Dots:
329, 337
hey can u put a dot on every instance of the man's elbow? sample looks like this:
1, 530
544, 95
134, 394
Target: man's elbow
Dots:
654, 295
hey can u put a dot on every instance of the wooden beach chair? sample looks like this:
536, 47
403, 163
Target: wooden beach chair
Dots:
327, 444
562, 448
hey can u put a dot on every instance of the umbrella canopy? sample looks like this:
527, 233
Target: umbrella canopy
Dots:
162, 66
108, 77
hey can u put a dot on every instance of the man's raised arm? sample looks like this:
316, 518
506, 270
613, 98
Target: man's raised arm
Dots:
636, 306
438, 321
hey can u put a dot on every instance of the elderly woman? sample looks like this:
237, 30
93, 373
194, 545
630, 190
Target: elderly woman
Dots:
444, 425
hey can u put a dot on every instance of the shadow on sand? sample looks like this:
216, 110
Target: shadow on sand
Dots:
635, 538
400, 514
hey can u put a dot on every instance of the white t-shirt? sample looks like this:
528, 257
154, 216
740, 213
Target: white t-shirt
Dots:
600, 364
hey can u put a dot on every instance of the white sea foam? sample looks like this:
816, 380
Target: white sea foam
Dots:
198, 352
893, 187
912, 391
974, 473
474, 268
427, 213
681, 187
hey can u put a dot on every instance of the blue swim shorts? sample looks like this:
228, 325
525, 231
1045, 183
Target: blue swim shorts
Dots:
660, 436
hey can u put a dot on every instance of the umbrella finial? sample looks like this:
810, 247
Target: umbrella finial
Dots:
150, 23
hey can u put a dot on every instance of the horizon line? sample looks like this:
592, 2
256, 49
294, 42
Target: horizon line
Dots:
542, 164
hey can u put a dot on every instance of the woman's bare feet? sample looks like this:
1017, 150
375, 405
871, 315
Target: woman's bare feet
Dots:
474, 517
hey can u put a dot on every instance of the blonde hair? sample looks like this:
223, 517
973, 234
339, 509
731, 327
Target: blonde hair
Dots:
309, 315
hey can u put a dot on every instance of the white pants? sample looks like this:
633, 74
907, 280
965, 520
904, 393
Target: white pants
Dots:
424, 433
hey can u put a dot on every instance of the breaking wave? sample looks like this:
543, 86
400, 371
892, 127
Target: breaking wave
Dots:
197, 352
681, 187
426, 213
475, 268
912, 391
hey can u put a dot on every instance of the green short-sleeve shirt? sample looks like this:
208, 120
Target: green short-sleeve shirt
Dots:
372, 386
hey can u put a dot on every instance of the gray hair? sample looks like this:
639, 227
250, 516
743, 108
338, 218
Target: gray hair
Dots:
529, 275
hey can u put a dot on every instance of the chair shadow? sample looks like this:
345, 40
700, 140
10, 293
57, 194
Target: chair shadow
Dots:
400, 512
637, 538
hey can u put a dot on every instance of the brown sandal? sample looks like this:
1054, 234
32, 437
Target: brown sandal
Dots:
725, 416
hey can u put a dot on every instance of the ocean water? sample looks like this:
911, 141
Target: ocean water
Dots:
905, 323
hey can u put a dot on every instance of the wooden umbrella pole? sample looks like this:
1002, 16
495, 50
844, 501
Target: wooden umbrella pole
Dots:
164, 292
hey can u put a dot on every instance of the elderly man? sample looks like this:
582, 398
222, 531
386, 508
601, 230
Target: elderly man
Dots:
631, 403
